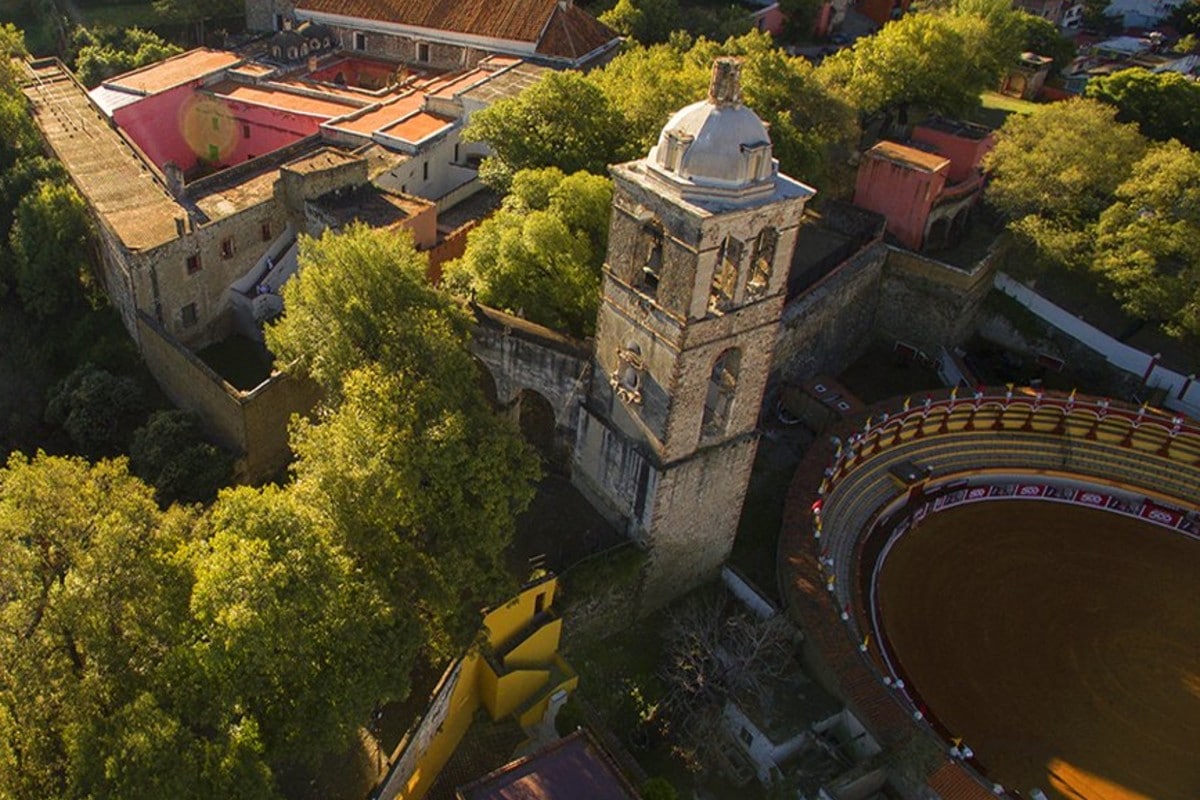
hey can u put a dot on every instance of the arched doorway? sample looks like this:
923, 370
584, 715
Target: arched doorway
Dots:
535, 416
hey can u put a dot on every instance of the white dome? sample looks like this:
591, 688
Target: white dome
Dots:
717, 143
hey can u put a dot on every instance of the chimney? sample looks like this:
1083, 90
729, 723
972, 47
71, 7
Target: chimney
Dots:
726, 86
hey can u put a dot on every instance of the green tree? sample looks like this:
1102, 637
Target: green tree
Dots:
647, 21
541, 253
1041, 36
97, 410
111, 52
50, 245
361, 298
800, 17
1185, 18
1165, 105
561, 121
169, 452
287, 631
1148, 241
90, 600
1055, 170
941, 59
421, 481
196, 13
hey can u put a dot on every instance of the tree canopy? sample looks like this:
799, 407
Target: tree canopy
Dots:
1165, 105
103, 54
420, 479
1148, 241
562, 121
540, 254
940, 59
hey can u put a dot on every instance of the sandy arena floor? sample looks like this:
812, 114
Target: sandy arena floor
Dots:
1062, 643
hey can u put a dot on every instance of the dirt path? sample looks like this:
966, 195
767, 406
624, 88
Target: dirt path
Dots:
1062, 643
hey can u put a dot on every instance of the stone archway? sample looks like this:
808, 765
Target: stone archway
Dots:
535, 416
487, 384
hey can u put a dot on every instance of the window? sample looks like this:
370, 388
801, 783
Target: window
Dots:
722, 383
746, 737
276, 52
758, 161
677, 143
278, 23
627, 379
227, 248
425, 171
360, 41
423, 52
293, 53
725, 275
651, 258
265, 229
762, 257
245, 131
188, 315
193, 264
539, 603
456, 152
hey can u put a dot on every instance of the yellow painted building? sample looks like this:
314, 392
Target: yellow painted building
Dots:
513, 671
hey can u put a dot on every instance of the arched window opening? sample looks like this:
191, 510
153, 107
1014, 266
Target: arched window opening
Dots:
651, 250
761, 258
725, 275
626, 380
722, 384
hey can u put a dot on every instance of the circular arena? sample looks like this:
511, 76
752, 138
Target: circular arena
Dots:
1005, 588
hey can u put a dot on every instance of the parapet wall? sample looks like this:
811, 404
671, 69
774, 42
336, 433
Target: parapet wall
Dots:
252, 424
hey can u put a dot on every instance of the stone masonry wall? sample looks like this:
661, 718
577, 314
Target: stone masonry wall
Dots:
830, 325
927, 303
253, 424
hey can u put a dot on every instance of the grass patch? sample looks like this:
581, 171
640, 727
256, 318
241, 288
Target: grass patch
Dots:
998, 107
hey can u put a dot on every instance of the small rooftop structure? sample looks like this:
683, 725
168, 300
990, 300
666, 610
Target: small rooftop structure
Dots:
910, 157
573, 768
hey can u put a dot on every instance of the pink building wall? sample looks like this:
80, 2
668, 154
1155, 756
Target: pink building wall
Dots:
901, 194
769, 19
183, 125
155, 123
965, 153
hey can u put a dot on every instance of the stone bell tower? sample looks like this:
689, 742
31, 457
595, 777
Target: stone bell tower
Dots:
700, 243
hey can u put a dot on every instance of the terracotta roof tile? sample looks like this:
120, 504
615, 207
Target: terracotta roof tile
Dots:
953, 782
515, 20
573, 34
175, 71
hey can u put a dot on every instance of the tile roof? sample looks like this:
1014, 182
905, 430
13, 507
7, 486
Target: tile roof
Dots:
953, 782
515, 20
574, 33
574, 768
175, 71
417, 127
